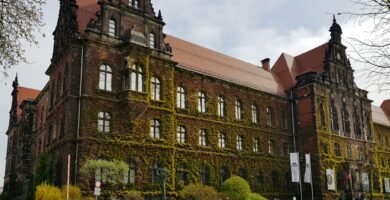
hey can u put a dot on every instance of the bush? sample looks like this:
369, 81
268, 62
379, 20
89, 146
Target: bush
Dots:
236, 188
133, 195
74, 192
199, 192
255, 196
47, 192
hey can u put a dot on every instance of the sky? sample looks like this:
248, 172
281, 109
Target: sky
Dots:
250, 30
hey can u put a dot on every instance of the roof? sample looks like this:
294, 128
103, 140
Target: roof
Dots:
379, 116
205, 61
86, 11
25, 94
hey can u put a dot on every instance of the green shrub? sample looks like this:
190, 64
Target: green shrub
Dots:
255, 196
133, 195
74, 192
236, 188
199, 192
48, 192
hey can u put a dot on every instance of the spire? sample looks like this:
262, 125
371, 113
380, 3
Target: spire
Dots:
15, 83
159, 16
335, 31
14, 106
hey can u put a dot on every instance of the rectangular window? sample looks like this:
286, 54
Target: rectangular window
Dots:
202, 137
255, 145
349, 151
254, 114
239, 143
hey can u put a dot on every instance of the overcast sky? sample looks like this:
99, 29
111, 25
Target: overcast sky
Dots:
247, 29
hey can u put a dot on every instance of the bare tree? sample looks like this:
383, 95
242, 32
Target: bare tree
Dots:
19, 21
374, 51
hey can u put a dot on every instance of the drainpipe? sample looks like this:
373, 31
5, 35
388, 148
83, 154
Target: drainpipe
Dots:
79, 112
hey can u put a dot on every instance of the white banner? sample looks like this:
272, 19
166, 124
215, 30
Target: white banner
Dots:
307, 169
387, 185
294, 162
330, 179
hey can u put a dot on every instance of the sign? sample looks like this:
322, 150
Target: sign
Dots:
294, 162
366, 182
387, 185
330, 179
98, 184
97, 191
307, 169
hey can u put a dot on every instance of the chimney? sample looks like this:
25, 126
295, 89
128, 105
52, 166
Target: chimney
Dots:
265, 64
386, 106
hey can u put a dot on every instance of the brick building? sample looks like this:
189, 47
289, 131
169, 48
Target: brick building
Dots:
121, 89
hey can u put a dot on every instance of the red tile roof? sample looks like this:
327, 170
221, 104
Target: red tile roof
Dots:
380, 116
86, 11
25, 94
202, 60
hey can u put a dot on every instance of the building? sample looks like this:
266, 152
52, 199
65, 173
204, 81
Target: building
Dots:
121, 89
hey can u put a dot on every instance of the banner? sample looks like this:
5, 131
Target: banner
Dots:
294, 162
387, 185
365, 182
330, 179
307, 169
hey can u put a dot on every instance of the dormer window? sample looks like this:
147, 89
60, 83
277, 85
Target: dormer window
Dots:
112, 27
152, 41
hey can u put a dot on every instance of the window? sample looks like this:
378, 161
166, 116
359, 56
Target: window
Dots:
202, 102
224, 174
134, 3
275, 181
242, 173
129, 177
155, 128
152, 42
271, 147
337, 149
180, 98
239, 142
284, 119
322, 112
181, 134
221, 107
255, 145
238, 109
182, 174
203, 137
104, 122
154, 167
204, 175
334, 118
105, 78
349, 151
286, 148
325, 147
270, 117
259, 179
361, 153
357, 128
135, 80
156, 89
222, 140
254, 113
112, 27
346, 125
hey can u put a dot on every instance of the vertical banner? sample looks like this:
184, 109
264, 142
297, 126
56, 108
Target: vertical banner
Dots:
294, 162
330, 179
307, 169
365, 182
387, 185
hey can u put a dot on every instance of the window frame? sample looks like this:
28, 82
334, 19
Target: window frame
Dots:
104, 121
105, 78
152, 40
180, 97
238, 109
181, 136
254, 111
221, 106
222, 140
270, 117
112, 26
203, 140
202, 102
155, 89
155, 129
239, 143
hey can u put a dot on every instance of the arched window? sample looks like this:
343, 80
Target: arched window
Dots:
129, 177
222, 140
203, 137
334, 118
180, 98
181, 172
238, 109
337, 151
346, 124
275, 181
152, 41
255, 147
181, 134
201, 102
270, 117
225, 174
112, 27
271, 147
221, 107
155, 128
239, 143
105, 78
136, 78
156, 89
104, 120
254, 113
154, 167
204, 175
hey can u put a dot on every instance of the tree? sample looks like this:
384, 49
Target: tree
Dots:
19, 21
374, 52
